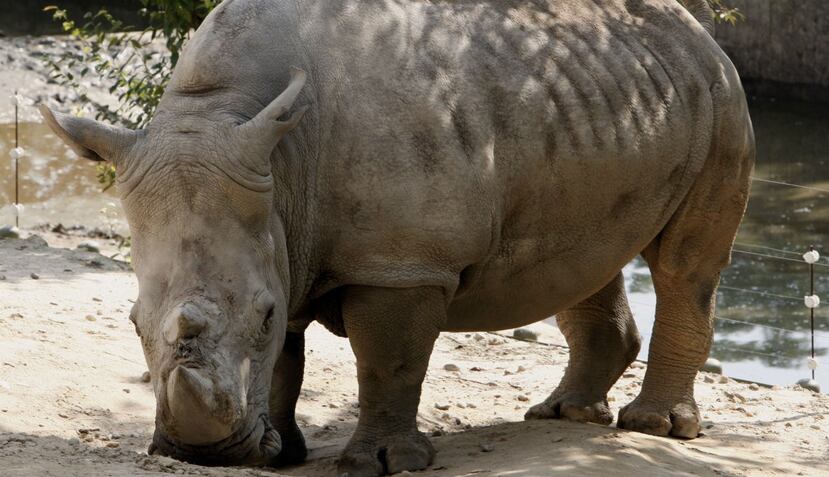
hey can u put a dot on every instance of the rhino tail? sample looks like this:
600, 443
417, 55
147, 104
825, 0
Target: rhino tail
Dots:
702, 11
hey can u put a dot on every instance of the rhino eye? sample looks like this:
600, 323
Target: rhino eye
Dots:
267, 321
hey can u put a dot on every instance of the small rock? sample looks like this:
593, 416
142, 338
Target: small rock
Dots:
712, 366
34, 276
91, 318
520, 369
113, 444
557, 439
60, 414
451, 367
487, 447
815, 427
478, 337
522, 398
90, 246
470, 405
441, 406
628, 375
525, 334
637, 365
145, 377
9, 232
708, 379
809, 384
723, 379
754, 387
73, 441
788, 424
2, 277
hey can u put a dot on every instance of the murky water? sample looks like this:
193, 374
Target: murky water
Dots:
762, 330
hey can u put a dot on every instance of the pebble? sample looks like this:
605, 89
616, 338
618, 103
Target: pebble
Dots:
451, 367
9, 231
91, 318
754, 387
557, 439
89, 246
478, 337
487, 447
637, 365
723, 379
522, 398
712, 366
34, 276
809, 384
2, 277
708, 379
628, 375
525, 334
441, 406
145, 377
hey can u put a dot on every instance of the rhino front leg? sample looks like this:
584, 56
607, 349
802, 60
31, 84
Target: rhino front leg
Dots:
603, 341
285, 387
392, 332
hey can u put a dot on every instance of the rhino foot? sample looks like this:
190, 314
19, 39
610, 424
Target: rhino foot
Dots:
679, 420
397, 454
572, 406
294, 450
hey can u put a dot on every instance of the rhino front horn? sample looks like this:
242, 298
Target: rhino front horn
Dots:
197, 417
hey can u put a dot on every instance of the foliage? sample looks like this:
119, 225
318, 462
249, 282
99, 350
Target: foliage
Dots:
724, 13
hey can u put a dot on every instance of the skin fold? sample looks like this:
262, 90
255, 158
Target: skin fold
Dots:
394, 169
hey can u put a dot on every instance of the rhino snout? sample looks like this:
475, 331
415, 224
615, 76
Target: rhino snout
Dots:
200, 414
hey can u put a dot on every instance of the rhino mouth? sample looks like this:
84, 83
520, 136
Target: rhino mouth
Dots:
258, 444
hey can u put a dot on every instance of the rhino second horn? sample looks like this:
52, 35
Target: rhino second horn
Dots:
197, 418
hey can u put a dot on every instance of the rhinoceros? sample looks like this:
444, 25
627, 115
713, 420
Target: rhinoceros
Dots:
393, 169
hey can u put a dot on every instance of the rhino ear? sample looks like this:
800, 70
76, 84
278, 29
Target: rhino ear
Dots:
266, 129
89, 139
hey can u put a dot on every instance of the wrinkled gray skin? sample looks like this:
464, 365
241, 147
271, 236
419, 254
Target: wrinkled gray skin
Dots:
462, 165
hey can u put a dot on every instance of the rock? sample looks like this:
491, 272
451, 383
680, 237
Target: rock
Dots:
712, 366
9, 232
478, 337
708, 379
522, 398
91, 318
525, 334
754, 387
2, 277
557, 439
487, 447
628, 375
723, 379
441, 406
34, 276
145, 378
89, 246
809, 384
637, 365
451, 367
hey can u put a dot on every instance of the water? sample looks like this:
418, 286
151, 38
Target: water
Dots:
767, 339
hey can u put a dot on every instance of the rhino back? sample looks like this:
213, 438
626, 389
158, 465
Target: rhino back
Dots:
496, 141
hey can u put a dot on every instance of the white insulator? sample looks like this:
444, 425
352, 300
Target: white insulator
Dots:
18, 209
811, 301
811, 256
17, 153
812, 363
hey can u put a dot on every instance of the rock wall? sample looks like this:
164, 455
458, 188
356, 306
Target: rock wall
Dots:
26, 17
782, 47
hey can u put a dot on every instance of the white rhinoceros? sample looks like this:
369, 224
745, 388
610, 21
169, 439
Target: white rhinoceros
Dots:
460, 165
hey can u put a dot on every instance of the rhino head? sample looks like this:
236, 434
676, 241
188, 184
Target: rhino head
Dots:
211, 263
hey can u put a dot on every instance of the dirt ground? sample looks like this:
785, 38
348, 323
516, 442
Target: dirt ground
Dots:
72, 402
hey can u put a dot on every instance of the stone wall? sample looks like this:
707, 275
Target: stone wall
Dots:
782, 47
26, 17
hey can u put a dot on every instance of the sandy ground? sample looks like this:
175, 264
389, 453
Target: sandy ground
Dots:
72, 402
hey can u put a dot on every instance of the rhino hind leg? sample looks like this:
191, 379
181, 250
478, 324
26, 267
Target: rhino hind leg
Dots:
603, 341
685, 261
392, 333
285, 388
